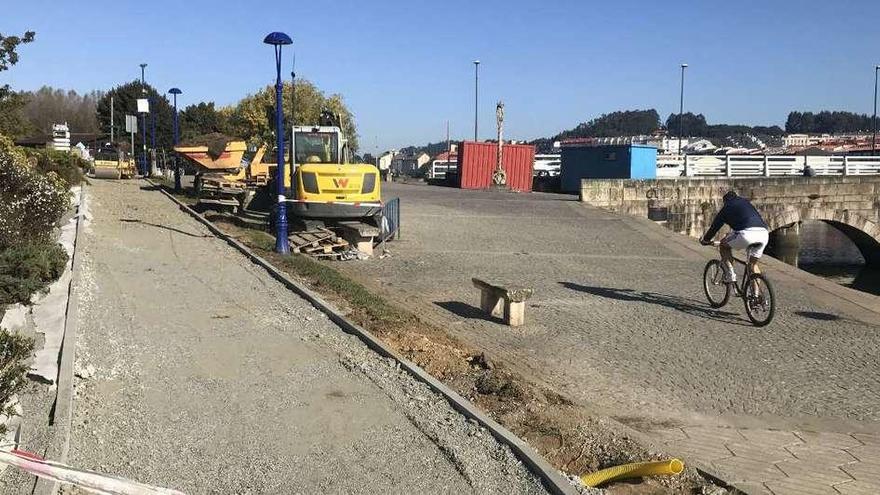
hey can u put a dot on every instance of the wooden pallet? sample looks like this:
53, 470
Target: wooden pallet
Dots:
310, 238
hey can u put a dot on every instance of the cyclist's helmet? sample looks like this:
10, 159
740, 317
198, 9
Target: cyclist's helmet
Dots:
729, 195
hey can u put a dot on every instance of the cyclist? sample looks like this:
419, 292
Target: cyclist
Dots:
747, 231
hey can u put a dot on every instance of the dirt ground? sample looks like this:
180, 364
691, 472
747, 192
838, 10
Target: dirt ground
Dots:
571, 437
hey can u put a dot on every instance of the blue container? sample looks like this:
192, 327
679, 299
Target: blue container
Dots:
624, 161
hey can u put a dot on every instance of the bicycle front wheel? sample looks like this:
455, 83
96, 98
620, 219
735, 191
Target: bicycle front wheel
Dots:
717, 291
759, 300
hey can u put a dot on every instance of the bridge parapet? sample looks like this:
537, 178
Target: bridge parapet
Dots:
688, 206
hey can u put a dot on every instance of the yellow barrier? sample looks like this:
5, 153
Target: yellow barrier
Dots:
634, 470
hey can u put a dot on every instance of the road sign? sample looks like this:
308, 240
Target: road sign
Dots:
131, 123
143, 105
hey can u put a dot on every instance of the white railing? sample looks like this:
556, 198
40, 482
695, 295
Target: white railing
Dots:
763, 165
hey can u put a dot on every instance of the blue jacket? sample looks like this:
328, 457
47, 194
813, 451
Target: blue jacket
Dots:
739, 214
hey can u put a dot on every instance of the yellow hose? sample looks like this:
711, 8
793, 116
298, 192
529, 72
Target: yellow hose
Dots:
633, 470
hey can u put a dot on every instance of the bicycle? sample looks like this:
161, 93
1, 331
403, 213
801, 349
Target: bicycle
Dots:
755, 290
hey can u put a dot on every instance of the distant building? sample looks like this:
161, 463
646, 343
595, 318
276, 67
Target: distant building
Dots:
793, 140
384, 162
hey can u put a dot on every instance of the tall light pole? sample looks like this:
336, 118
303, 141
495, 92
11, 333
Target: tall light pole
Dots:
681, 109
278, 40
143, 125
874, 120
175, 92
476, 96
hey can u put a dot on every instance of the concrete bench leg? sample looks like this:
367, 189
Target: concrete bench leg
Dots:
514, 313
490, 303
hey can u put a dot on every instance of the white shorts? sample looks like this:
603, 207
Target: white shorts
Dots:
753, 239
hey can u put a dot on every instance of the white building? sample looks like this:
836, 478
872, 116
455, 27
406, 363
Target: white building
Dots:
792, 140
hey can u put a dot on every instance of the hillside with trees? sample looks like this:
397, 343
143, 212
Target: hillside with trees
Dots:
47, 106
826, 122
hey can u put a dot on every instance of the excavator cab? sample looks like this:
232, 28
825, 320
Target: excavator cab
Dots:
327, 185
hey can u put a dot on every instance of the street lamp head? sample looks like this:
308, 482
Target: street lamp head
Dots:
277, 38
476, 62
143, 65
175, 91
684, 65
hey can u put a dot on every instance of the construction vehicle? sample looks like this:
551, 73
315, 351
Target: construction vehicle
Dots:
220, 179
328, 187
113, 164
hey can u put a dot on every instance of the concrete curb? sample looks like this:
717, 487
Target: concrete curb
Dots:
553, 481
62, 414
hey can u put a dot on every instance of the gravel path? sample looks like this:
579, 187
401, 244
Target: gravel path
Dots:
201, 373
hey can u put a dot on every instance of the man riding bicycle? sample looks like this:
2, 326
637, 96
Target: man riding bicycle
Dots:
747, 231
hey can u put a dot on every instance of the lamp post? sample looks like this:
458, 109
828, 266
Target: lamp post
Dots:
143, 126
175, 92
278, 40
476, 95
681, 109
874, 120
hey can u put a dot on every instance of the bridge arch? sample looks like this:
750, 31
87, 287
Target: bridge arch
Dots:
864, 233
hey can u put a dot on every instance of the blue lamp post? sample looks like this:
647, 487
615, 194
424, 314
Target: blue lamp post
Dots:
175, 92
278, 40
143, 126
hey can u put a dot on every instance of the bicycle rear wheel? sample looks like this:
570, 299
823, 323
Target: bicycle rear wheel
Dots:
717, 291
759, 300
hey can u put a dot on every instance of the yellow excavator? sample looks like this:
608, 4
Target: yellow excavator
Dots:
327, 185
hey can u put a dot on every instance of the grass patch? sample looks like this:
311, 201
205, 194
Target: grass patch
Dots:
325, 278
27, 269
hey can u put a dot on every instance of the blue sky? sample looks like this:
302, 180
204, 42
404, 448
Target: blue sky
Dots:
404, 67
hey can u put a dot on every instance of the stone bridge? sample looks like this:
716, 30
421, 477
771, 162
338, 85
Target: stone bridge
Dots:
688, 206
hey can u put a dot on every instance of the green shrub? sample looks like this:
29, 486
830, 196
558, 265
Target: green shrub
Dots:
69, 167
15, 351
31, 203
28, 269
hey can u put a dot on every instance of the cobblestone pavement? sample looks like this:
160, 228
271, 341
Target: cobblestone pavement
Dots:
208, 376
619, 322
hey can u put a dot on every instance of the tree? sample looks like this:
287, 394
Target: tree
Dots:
48, 106
827, 122
253, 117
125, 102
614, 124
9, 48
199, 119
12, 123
694, 125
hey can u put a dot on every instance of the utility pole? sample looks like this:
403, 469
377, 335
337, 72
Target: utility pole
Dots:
874, 120
293, 121
112, 124
681, 109
476, 96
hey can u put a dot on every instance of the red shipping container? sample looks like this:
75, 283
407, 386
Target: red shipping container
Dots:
476, 163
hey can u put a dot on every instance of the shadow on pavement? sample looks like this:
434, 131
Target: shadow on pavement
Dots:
135, 220
466, 311
677, 303
817, 315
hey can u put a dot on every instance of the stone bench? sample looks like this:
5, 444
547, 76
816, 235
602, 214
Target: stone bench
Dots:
503, 300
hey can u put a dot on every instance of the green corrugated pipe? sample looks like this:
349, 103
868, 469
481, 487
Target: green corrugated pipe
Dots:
633, 470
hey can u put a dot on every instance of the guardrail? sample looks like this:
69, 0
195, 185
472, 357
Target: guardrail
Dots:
390, 220
764, 165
